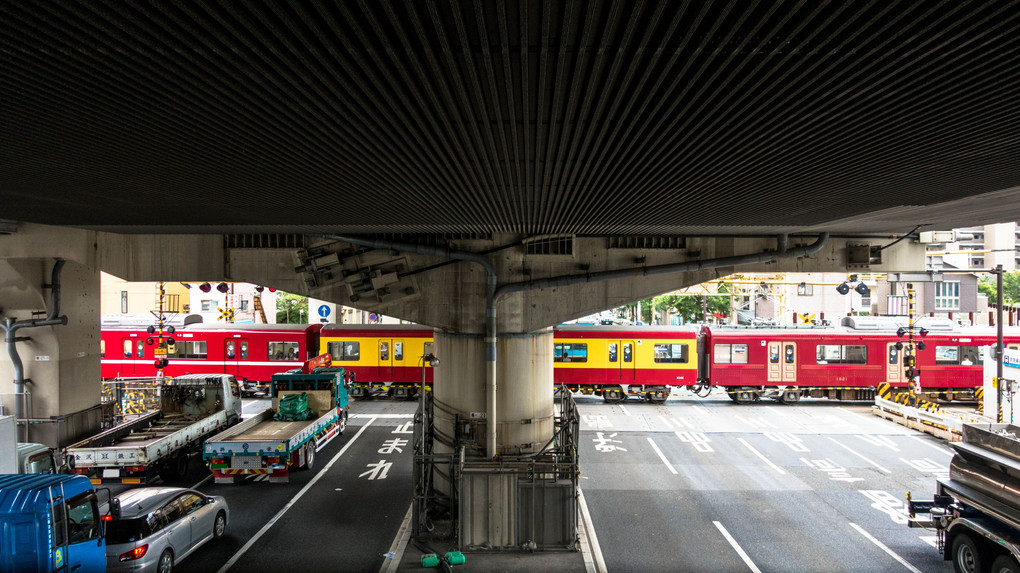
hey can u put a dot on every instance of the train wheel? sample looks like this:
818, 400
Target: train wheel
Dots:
790, 396
612, 394
657, 394
746, 396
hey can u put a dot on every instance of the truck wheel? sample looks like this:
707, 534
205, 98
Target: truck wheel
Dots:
166, 562
1005, 564
309, 457
343, 423
966, 558
176, 469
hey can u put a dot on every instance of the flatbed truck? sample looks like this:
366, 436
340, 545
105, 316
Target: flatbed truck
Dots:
976, 512
262, 445
192, 407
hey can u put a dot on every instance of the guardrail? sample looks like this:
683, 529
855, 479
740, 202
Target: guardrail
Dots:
944, 424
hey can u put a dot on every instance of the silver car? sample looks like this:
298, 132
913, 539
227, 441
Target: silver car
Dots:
152, 528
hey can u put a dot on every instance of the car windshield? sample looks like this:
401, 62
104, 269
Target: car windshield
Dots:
126, 530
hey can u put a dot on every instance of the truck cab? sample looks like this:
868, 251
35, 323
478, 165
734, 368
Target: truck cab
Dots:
50, 523
36, 459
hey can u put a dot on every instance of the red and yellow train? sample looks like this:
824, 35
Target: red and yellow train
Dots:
650, 362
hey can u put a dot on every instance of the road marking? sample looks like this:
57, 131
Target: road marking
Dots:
662, 457
381, 416
593, 540
882, 546
941, 449
760, 455
625, 410
399, 543
733, 543
279, 514
696, 439
207, 478
847, 448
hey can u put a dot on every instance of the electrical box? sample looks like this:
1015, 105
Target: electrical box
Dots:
937, 237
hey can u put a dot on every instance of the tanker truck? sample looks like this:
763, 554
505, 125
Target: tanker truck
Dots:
976, 512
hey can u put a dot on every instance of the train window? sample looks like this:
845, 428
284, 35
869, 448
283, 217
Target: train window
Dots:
140, 349
244, 350
398, 350
102, 348
671, 353
842, 354
570, 352
947, 355
789, 354
194, 349
628, 354
171, 349
962, 355
774, 354
612, 352
730, 354
231, 354
344, 350
283, 350
894, 355
384, 351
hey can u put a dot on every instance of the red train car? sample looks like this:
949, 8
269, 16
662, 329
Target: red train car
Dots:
251, 352
847, 363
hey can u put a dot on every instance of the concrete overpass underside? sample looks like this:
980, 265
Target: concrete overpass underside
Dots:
486, 168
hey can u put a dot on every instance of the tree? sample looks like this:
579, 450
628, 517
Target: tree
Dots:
291, 309
1010, 288
694, 308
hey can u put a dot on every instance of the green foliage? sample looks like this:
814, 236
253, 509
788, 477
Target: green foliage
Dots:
694, 308
1010, 287
291, 308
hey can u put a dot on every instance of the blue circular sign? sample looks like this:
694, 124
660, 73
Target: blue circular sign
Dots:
324, 310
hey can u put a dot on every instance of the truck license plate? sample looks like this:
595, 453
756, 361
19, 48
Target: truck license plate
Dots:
111, 473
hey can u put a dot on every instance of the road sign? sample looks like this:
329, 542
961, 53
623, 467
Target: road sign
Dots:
324, 310
373, 317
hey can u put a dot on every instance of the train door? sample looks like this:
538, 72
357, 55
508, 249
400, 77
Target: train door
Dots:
391, 359
235, 351
894, 365
782, 366
621, 362
132, 351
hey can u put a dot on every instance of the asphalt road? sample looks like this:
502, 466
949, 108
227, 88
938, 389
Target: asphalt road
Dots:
713, 486
691, 485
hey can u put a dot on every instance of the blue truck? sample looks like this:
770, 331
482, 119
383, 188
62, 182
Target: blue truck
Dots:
50, 522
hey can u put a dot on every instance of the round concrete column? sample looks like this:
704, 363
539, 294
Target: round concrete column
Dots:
524, 383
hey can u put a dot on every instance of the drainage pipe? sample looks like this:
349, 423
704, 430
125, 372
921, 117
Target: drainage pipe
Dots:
10, 327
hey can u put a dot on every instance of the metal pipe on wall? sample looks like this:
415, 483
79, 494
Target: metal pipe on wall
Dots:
11, 326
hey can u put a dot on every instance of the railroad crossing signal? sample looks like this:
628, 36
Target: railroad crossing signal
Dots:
226, 315
807, 318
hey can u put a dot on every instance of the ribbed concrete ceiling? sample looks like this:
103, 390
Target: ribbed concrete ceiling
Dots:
521, 116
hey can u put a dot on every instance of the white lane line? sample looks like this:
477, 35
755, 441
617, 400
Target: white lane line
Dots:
399, 543
207, 478
381, 416
625, 410
733, 543
847, 448
760, 455
941, 450
279, 514
593, 540
882, 546
662, 457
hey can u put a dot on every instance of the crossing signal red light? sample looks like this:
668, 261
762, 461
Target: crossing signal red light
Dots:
223, 288
205, 287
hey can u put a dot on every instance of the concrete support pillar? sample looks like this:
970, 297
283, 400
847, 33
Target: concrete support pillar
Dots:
524, 390
61, 362
488, 497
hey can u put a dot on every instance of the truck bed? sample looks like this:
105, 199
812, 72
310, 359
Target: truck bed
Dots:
270, 431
